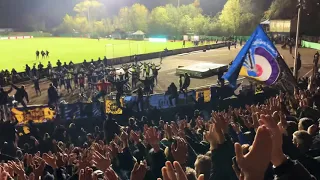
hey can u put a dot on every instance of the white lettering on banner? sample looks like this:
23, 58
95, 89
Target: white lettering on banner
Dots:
16, 37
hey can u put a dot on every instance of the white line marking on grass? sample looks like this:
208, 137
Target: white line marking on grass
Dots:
308, 73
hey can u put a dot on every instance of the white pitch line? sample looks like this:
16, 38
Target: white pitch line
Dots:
308, 73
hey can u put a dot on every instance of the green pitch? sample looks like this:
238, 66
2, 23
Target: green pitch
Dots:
17, 53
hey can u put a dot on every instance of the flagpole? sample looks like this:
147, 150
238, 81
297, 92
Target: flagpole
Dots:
295, 70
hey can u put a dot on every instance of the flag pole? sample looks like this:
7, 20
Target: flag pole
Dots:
295, 70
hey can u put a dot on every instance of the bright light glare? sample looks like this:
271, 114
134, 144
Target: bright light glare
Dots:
157, 40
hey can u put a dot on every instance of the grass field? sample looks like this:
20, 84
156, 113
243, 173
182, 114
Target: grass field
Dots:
17, 53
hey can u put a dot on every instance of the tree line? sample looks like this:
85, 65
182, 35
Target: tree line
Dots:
238, 17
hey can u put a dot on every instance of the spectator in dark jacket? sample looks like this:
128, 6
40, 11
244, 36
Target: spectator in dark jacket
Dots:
53, 95
20, 95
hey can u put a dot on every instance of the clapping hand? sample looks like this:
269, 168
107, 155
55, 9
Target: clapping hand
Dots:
153, 138
18, 168
87, 174
277, 157
175, 172
135, 137
3, 174
102, 162
139, 171
109, 174
168, 131
50, 159
254, 164
179, 151
212, 137
38, 170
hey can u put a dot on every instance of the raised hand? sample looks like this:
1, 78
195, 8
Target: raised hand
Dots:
153, 139
71, 159
100, 161
179, 151
3, 174
18, 169
135, 137
254, 164
246, 121
174, 128
109, 174
50, 159
221, 123
255, 120
99, 147
61, 160
182, 125
38, 170
84, 161
168, 131
139, 171
28, 159
236, 127
175, 172
211, 137
114, 149
86, 174
124, 138
214, 136
8, 169
277, 157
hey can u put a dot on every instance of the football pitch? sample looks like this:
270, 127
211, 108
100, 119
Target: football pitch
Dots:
17, 53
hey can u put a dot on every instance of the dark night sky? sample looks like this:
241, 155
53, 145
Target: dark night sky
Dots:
17, 13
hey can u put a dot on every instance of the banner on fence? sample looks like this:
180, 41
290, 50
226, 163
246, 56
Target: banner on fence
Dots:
37, 114
112, 107
206, 93
161, 101
80, 110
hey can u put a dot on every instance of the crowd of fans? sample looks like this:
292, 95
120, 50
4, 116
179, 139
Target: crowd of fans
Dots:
275, 140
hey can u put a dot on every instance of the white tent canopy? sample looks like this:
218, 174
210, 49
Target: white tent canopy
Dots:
138, 33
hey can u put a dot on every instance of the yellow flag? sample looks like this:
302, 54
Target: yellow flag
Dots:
112, 107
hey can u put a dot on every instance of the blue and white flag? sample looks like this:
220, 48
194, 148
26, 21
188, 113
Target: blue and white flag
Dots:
257, 59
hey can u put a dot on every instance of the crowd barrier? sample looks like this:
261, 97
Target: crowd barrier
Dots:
80, 110
159, 102
307, 44
97, 109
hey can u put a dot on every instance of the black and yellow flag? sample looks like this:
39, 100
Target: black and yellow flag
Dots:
112, 107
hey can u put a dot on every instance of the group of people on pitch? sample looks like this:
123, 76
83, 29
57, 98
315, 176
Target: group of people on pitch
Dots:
44, 54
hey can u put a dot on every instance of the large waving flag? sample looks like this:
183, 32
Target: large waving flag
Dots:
257, 59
